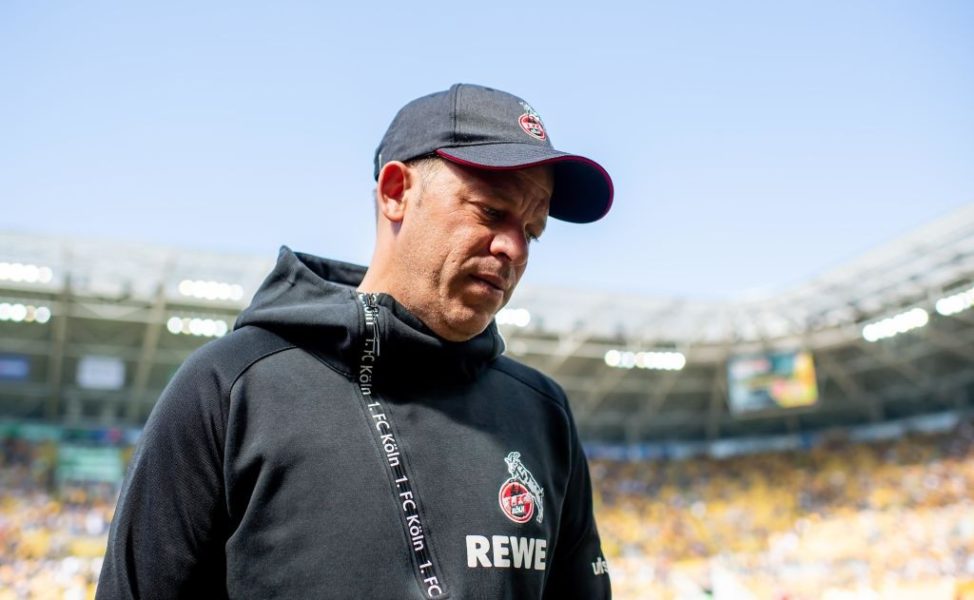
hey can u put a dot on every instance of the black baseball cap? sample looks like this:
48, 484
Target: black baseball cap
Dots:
489, 129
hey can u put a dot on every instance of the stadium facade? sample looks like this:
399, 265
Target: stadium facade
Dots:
92, 330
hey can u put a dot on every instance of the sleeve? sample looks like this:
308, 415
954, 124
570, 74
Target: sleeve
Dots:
168, 534
578, 569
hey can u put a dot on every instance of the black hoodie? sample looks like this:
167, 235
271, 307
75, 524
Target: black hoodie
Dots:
332, 446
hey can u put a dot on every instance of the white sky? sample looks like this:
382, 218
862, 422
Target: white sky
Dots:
752, 145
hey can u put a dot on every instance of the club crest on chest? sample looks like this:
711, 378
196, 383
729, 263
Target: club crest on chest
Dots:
521, 497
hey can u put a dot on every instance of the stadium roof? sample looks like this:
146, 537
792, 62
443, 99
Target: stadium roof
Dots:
933, 259
134, 302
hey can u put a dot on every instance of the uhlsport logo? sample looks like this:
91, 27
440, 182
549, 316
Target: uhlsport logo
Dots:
521, 497
530, 122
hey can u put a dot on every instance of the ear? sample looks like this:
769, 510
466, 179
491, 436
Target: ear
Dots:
393, 187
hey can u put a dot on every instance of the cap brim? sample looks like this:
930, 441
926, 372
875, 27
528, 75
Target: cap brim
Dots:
583, 189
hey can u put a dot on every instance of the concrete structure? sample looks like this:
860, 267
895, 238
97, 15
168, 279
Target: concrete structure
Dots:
91, 331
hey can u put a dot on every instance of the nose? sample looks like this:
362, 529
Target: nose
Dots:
510, 242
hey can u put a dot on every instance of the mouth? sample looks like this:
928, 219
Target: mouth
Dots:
493, 281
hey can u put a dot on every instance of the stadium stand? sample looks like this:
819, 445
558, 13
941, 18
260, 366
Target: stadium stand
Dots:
842, 517
814, 443
91, 331
839, 517
52, 537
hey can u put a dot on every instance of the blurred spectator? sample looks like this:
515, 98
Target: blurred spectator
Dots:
842, 518
50, 547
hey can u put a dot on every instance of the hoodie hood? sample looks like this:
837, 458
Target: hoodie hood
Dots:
313, 302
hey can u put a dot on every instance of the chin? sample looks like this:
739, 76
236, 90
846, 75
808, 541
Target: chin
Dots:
462, 330
467, 332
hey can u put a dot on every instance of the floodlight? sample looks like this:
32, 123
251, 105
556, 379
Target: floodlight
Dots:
955, 303
18, 312
197, 326
895, 325
519, 317
660, 360
24, 313
210, 290
25, 273
174, 325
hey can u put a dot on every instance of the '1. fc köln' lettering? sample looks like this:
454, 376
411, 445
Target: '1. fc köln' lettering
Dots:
506, 552
405, 494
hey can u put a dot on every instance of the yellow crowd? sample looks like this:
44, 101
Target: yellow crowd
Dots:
51, 547
840, 520
843, 517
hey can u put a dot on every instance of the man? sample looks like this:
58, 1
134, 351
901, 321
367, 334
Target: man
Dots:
359, 434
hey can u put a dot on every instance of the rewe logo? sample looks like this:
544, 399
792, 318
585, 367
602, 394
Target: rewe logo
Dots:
506, 552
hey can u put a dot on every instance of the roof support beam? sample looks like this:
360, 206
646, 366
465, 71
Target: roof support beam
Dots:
58, 343
852, 390
150, 341
715, 410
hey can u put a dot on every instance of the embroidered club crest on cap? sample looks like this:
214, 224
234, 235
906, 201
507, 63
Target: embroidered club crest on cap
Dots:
521, 497
531, 123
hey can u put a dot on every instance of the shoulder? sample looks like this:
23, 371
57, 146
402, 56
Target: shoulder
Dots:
198, 394
551, 394
533, 379
224, 359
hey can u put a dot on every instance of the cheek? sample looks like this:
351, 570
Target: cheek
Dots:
442, 251
435, 256
454, 261
460, 255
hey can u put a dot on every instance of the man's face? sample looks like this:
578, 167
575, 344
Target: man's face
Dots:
464, 243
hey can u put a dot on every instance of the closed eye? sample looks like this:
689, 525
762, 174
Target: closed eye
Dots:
496, 215
492, 213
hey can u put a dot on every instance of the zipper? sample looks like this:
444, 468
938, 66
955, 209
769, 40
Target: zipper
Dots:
405, 495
